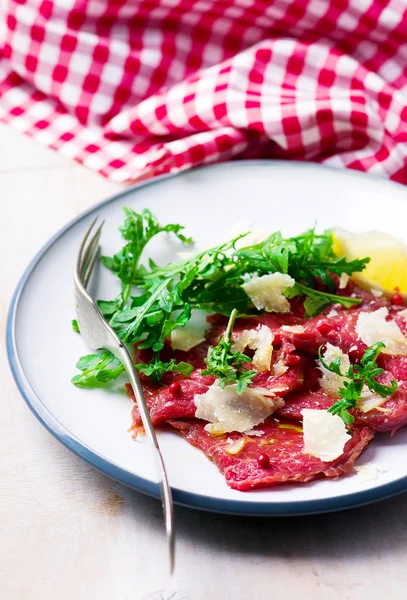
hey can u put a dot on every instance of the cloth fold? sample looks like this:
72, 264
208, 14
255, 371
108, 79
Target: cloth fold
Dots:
136, 89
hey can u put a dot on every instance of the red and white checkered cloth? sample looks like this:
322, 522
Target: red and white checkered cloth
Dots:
136, 88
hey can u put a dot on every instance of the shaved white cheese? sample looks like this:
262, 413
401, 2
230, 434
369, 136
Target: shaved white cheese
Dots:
332, 313
331, 382
368, 472
235, 446
293, 328
325, 434
253, 237
279, 368
369, 400
185, 338
227, 411
353, 348
254, 432
377, 293
373, 327
343, 281
259, 340
266, 292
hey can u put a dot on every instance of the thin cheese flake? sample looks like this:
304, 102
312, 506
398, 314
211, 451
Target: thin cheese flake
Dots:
228, 411
185, 338
368, 472
372, 328
279, 368
266, 292
293, 328
325, 434
254, 234
343, 281
369, 401
235, 446
259, 340
331, 382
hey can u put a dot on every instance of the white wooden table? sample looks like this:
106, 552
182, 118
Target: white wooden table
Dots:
68, 532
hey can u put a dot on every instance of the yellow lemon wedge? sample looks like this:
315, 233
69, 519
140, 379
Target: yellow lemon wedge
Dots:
387, 268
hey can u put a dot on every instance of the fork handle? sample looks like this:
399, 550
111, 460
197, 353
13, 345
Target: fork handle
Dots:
166, 494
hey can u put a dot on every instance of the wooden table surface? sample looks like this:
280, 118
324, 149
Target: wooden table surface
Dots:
69, 533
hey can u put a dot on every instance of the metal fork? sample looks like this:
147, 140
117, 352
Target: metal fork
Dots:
98, 334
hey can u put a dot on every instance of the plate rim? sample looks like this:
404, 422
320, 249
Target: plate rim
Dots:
136, 482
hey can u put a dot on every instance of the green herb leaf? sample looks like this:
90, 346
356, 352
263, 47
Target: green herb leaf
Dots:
138, 230
97, 369
358, 376
315, 300
75, 326
148, 314
156, 368
211, 281
227, 366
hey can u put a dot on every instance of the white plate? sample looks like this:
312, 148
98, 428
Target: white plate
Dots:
43, 350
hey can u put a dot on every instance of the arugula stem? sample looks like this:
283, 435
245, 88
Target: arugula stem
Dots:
228, 333
333, 297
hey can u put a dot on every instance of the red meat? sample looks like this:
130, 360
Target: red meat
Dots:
299, 385
297, 401
284, 447
390, 416
165, 405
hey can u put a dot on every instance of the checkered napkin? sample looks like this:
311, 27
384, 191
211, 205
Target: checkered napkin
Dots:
138, 88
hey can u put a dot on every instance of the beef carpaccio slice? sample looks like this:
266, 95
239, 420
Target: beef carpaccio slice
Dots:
389, 416
164, 405
284, 445
296, 341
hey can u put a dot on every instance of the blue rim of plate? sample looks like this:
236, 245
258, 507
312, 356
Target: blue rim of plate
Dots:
129, 479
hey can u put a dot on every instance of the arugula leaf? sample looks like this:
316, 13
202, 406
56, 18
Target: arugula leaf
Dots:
146, 313
315, 300
138, 230
75, 326
156, 368
211, 281
227, 366
97, 369
358, 376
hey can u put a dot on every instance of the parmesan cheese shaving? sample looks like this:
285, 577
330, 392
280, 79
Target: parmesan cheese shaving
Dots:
325, 434
331, 382
279, 368
254, 432
369, 401
343, 281
236, 446
259, 340
266, 292
293, 328
368, 472
332, 313
227, 411
185, 338
253, 237
373, 327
